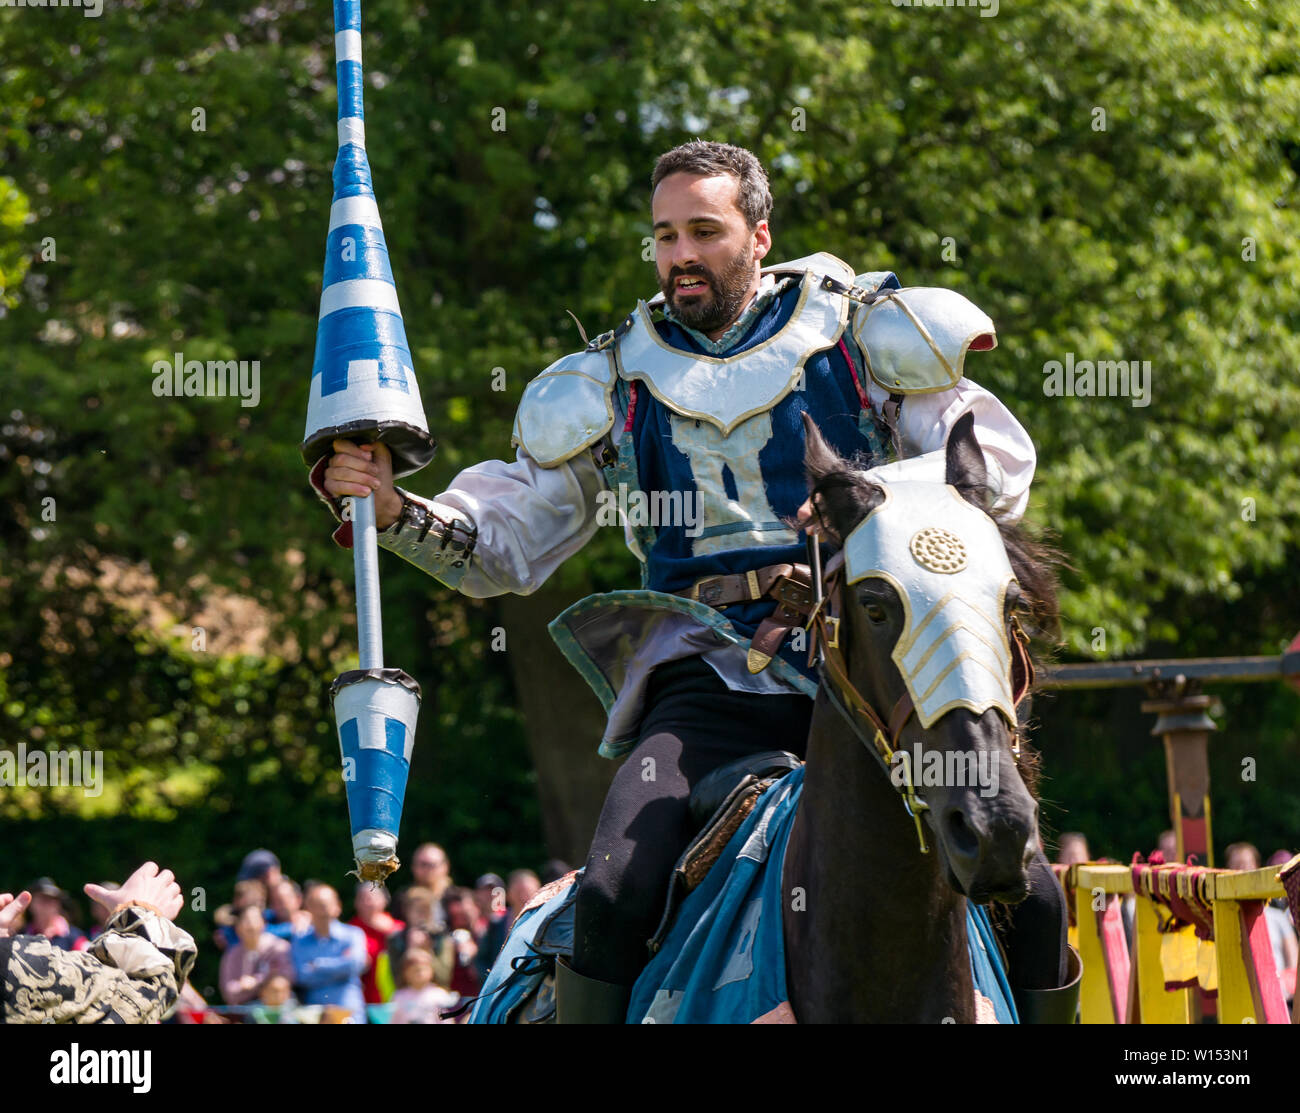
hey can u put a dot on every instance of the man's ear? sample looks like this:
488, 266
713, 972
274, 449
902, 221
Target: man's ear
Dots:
966, 469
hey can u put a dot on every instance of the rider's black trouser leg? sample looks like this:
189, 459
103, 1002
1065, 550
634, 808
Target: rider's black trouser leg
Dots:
693, 724
1035, 937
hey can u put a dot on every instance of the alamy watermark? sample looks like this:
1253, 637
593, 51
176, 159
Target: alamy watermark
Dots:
947, 769
218, 378
91, 9
23, 768
988, 8
657, 509
1103, 378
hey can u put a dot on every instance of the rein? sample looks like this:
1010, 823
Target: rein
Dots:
880, 737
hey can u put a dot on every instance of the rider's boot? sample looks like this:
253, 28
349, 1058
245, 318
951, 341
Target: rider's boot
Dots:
1052, 1006
583, 1000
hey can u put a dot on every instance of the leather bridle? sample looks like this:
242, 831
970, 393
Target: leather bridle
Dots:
878, 735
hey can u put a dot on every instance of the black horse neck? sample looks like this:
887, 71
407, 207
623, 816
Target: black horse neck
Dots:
873, 931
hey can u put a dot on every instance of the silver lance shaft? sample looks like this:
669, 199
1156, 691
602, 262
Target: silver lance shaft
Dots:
365, 565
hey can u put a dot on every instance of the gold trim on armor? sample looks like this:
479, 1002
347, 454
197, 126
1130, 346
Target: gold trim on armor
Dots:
819, 344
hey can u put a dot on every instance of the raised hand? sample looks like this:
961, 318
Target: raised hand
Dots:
11, 907
148, 885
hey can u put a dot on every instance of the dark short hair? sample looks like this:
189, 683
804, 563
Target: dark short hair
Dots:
701, 156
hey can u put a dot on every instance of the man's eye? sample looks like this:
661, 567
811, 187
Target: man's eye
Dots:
706, 232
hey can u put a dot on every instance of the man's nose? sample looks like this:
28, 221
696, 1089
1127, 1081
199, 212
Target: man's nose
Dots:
685, 254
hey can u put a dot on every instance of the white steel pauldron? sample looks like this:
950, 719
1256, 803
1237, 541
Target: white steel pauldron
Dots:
914, 341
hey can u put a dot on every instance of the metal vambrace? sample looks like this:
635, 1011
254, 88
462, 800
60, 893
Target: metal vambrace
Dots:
434, 537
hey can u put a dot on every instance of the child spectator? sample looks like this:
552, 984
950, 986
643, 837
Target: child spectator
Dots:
419, 1001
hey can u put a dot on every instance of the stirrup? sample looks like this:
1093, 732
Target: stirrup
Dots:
1052, 1006
583, 1000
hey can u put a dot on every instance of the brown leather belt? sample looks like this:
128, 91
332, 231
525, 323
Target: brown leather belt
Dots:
789, 584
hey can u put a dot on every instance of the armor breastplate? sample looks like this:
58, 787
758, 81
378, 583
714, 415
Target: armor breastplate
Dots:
726, 390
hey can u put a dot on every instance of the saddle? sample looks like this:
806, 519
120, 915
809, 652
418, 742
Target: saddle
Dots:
719, 804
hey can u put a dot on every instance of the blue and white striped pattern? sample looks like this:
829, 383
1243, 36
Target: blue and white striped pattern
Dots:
363, 373
376, 725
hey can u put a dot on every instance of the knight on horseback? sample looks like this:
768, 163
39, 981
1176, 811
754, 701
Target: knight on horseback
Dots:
705, 665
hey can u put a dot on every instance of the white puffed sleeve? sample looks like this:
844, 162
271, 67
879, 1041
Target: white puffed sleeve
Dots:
529, 520
924, 422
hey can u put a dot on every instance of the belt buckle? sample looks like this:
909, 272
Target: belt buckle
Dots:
707, 591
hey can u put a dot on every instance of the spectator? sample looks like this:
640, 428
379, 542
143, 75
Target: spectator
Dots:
131, 974
419, 1001
275, 1005
1167, 844
46, 916
521, 887
371, 904
430, 870
463, 924
490, 896
253, 960
329, 959
1073, 849
287, 917
422, 932
260, 865
461, 910
248, 892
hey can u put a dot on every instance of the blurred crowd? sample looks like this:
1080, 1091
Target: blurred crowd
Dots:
288, 956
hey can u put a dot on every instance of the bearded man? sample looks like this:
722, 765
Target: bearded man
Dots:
698, 415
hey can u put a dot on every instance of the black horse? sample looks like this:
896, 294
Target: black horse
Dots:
881, 934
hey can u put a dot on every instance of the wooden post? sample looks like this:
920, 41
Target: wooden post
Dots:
1104, 992
1185, 726
1248, 987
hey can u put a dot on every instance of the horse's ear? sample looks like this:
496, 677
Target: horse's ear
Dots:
966, 468
841, 495
819, 459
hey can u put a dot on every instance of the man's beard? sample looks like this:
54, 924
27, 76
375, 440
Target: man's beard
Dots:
726, 296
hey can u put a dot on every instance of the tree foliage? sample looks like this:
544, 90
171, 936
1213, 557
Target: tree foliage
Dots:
1110, 180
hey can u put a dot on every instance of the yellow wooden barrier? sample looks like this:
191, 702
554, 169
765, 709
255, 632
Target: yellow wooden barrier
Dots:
1119, 987
1248, 994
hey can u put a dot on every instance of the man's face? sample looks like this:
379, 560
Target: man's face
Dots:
284, 901
705, 254
429, 864
1243, 859
370, 900
491, 899
323, 904
44, 908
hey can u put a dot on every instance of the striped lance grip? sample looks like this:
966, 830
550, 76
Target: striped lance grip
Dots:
375, 710
363, 382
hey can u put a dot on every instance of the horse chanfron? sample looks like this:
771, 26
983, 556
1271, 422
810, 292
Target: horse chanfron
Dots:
925, 667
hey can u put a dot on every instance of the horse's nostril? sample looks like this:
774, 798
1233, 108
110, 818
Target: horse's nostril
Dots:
962, 838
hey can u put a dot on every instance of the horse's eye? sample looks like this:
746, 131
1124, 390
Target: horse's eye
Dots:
876, 612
